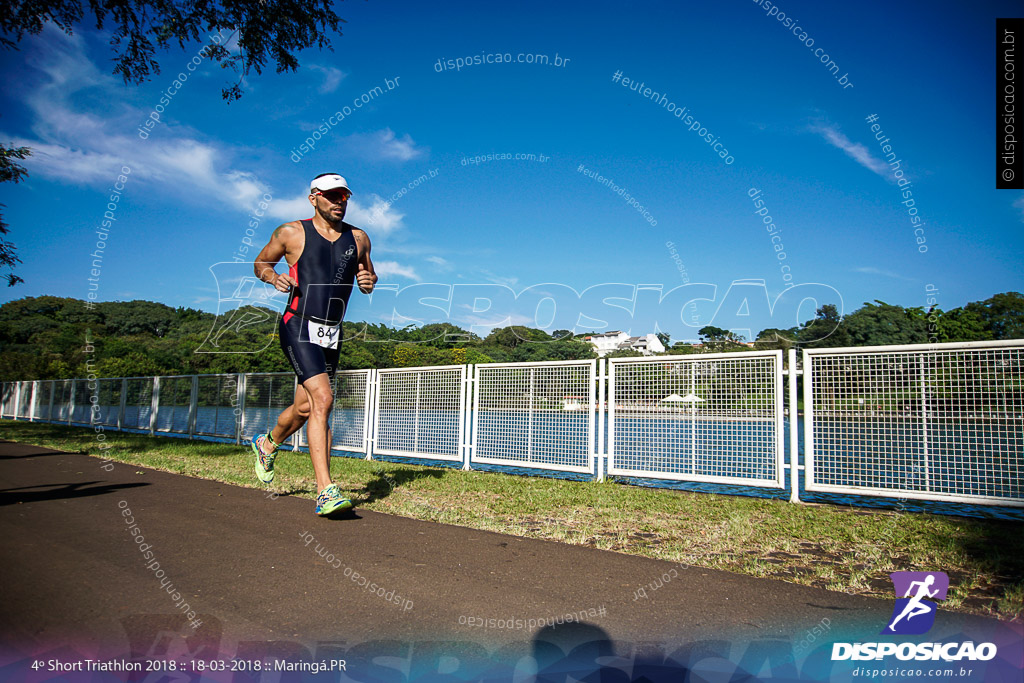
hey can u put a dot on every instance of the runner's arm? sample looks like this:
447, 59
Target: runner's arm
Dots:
366, 277
271, 254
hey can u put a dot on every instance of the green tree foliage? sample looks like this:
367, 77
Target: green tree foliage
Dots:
270, 29
881, 323
680, 348
961, 325
623, 353
1003, 314
10, 172
139, 317
825, 330
774, 338
46, 338
715, 339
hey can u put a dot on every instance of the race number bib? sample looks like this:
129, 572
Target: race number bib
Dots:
323, 335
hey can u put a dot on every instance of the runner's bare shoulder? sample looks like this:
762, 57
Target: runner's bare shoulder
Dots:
289, 230
289, 235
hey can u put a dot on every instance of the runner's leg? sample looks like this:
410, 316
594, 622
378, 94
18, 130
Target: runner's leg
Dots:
290, 420
321, 399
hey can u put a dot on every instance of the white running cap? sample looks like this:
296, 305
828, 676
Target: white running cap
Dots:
331, 181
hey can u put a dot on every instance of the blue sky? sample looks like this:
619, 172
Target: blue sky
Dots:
571, 247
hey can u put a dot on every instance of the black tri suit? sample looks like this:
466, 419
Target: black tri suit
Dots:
310, 329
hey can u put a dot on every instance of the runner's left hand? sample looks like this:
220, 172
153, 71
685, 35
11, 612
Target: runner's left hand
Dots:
364, 279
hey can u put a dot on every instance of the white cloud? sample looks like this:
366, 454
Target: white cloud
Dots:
402, 148
871, 270
332, 78
498, 280
394, 269
76, 146
293, 209
80, 137
379, 216
439, 262
73, 166
854, 150
383, 144
377, 219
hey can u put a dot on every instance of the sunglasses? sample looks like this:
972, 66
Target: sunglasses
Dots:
335, 197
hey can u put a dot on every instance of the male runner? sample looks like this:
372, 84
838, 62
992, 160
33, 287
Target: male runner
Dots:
324, 255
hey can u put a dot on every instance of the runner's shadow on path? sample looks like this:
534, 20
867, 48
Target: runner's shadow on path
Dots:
29, 451
40, 454
384, 482
20, 495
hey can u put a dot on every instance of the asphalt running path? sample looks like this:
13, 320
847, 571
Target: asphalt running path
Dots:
248, 566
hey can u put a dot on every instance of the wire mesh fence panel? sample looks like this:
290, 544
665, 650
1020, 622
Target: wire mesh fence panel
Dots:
108, 401
349, 418
138, 403
81, 413
216, 402
44, 393
266, 396
418, 412
173, 402
7, 392
535, 415
62, 400
24, 400
714, 417
945, 422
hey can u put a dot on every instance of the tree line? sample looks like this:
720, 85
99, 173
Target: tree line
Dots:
50, 337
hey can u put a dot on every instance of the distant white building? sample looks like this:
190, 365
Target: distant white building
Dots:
606, 342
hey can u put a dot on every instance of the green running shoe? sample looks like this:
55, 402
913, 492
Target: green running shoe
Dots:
330, 500
264, 461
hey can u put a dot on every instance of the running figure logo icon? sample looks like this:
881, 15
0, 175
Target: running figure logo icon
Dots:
913, 614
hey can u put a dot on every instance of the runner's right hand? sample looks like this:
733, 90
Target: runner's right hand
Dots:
283, 282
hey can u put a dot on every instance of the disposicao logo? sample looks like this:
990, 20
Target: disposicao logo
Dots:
913, 614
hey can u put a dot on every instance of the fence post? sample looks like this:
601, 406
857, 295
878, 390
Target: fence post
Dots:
71, 403
49, 409
599, 449
369, 414
808, 376
240, 405
95, 393
124, 399
794, 437
32, 407
472, 412
193, 401
924, 424
466, 417
529, 419
17, 400
154, 405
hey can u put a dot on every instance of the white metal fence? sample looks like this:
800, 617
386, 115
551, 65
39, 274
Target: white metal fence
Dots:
714, 417
535, 415
940, 422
